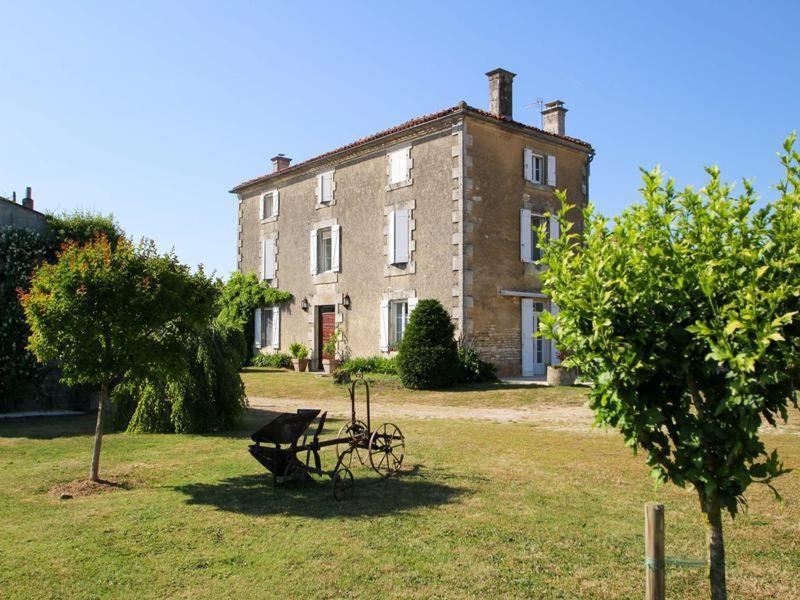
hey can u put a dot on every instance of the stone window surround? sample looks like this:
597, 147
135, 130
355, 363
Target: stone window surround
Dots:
274, 237
410, 180
318, 204
538, 208
273, 218
532, 184
411, 266
327, 276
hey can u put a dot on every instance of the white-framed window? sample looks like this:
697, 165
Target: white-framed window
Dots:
399, 165
539, 168
324, 249
399, 236
398, 319
267, 327
529, 224
269, 204
325, 188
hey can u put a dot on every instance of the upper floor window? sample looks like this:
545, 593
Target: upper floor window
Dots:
399, 165
529, 239
324, 249
539, 168
399, 236
269, 204
325, 188
268, 259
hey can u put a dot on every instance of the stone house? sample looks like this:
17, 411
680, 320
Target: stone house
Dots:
441, 206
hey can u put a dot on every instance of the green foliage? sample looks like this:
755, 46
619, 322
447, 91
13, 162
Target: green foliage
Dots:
472, 369
684, 316
370, 364
298, 350
21, 251
427, 356
276, 360
80, 227
330, 346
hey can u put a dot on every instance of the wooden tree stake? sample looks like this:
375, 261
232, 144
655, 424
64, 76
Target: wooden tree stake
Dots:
654, 551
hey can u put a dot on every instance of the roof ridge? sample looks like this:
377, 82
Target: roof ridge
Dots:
397, 129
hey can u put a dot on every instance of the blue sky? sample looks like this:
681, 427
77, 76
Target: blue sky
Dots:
153, 111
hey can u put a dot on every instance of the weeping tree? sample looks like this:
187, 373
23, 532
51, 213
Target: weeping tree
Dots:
110, 312
683, 313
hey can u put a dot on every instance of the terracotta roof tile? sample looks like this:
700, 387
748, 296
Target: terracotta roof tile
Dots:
397, 129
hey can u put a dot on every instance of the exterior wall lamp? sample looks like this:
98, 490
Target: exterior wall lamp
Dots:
346, 301
304, 304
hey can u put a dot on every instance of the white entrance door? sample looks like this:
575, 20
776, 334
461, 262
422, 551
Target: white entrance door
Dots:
535, 350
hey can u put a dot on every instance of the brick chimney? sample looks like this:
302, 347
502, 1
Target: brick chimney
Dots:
500, 88
553, 117
280, 162
27, 201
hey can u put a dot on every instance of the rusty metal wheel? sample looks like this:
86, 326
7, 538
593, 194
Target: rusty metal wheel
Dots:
387, 447
358, 434
342, 484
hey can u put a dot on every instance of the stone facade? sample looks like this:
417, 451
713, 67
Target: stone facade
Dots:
464, 191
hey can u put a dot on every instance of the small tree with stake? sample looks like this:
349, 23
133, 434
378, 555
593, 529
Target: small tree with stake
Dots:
104, 313
684, 316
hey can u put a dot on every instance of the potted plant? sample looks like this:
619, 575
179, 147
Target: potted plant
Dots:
299, 356
331, 363
559, 374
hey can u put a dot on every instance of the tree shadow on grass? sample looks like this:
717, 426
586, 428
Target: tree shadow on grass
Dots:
256, 495
48, 428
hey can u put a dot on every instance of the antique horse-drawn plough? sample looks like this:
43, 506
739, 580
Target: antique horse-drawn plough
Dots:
383, 448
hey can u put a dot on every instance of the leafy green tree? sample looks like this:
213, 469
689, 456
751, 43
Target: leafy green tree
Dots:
427, 357
108, 313
81, 226
683, 313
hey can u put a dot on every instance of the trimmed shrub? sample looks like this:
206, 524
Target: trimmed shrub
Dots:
427, 356
277, 360
370, 364
472, 369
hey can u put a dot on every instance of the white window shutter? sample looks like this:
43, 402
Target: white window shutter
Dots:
554, 228
551, 170
401, 236
553, 350
407, 166
525, 250
276, 198
319, 189
335, 247
327, 187
276, 326
313, 250
528, 164
262, 205
384, 340
392, 238
258, 328
268, 250
412, 304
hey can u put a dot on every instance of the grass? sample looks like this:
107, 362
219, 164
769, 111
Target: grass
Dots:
277, 383
483, 510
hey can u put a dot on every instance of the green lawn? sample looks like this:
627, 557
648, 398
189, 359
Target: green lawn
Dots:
482, 510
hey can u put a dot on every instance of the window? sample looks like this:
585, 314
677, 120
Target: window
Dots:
269, 204
399, 166
324, 250
398, 319
399, 234
536, 222
325, 187
268, 259
266, 327
538, 168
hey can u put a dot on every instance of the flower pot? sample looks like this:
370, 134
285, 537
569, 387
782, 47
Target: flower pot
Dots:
329, 365
560, 376
300, 364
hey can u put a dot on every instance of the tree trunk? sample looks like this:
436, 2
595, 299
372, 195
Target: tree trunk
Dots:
716, 546
94, 474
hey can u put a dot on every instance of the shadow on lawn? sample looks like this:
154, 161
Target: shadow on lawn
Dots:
255, 495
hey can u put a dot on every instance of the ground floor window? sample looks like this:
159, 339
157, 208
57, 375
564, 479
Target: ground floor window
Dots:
266, 326
398, 319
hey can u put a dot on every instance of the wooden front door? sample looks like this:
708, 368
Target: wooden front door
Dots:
325, 329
